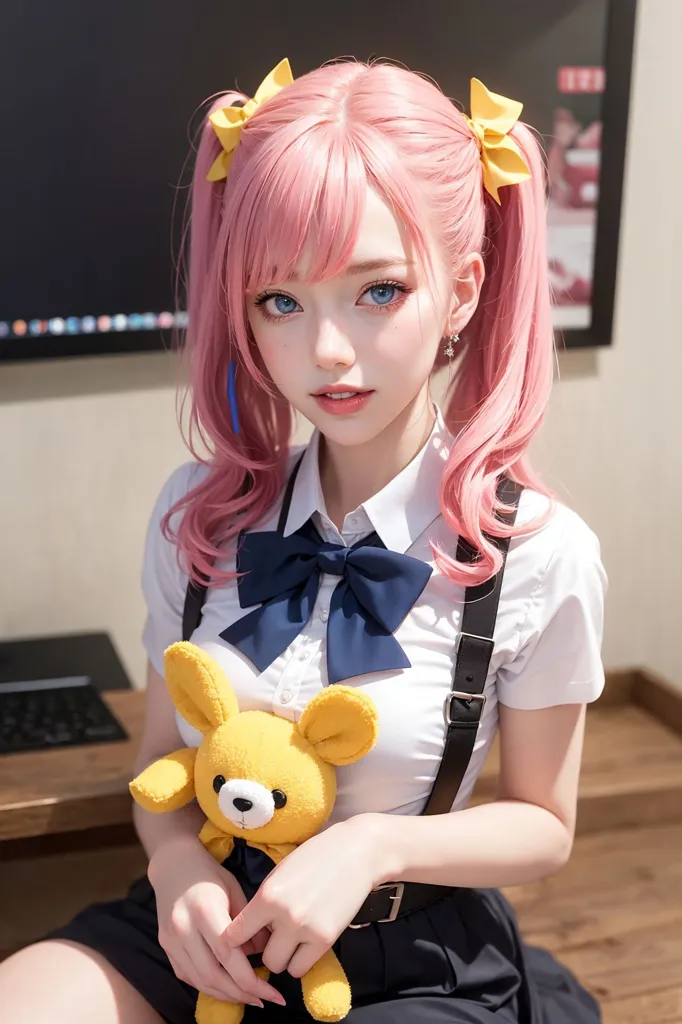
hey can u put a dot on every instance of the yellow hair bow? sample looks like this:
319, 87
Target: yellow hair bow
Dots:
229, 121
492, 118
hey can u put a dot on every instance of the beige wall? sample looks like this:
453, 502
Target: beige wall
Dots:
87, 443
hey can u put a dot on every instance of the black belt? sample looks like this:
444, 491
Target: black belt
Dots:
396, 899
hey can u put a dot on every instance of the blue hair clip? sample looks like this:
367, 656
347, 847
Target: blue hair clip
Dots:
232, 397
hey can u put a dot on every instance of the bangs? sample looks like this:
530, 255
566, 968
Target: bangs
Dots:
299, 211
304, 216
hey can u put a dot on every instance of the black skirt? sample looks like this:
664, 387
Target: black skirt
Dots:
459, 961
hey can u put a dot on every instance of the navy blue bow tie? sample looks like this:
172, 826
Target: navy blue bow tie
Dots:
282, 574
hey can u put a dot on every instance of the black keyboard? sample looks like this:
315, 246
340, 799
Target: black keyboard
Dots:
44, 713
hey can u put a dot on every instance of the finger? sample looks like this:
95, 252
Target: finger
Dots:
305, 957
251, 920
214, 919
236, 896
237, 902
280, 948
241, 971
258, 943
181, 968
184, 971
209, 977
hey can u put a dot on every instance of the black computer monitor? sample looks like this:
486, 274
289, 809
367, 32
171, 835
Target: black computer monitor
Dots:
99, 104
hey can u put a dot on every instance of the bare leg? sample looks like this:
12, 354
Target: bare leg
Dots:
61, 982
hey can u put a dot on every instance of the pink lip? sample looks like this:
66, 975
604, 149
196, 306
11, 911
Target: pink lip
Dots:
335, 389
342, 406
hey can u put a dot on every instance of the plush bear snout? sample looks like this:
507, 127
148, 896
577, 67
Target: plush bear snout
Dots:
246, 803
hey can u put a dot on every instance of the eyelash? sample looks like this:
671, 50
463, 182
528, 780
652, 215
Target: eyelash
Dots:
404, 291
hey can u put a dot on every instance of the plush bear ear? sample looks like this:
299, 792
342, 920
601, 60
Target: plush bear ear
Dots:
198, 687
166, 784
341, 723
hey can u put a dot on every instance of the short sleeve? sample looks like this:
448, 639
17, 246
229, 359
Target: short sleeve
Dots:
558, 660
163, 580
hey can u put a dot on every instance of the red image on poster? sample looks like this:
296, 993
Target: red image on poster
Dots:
574, 157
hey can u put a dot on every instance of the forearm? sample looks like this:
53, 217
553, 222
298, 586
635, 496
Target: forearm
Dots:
156, 830
503, 843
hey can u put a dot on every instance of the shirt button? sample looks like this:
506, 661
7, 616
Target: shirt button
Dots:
324, 614
286, 697
302, 655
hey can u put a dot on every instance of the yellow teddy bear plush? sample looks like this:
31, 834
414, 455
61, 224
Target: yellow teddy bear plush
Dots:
262, 778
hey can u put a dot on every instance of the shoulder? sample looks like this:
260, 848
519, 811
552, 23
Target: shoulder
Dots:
561, 547
295, 453
160, 551
181, 481
556, 585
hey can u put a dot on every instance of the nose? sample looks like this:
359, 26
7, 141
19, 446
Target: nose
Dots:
241, 804
332, 347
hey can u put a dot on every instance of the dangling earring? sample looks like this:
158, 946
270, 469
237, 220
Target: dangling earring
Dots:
232, 397
450, 342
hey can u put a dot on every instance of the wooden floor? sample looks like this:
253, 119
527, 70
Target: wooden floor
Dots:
613, 915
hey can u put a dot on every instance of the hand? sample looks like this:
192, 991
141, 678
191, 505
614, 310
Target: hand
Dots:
311, 896
195, 898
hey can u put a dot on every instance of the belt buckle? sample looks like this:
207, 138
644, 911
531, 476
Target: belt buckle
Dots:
395, 908
459, 695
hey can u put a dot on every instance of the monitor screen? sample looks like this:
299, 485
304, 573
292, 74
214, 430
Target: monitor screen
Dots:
100, 102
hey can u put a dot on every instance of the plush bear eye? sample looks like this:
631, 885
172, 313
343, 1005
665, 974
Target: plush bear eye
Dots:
279, 797
218, 782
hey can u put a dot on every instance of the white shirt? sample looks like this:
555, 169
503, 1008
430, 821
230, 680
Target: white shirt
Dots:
547, 636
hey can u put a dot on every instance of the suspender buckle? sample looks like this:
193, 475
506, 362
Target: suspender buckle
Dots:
459, 695
472, 636
395, 904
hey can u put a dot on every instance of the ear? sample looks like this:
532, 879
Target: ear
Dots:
466, 292
198, 687
341, 723
168, 783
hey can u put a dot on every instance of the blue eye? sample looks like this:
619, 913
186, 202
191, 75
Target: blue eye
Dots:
276, 305
383, 293
284, 304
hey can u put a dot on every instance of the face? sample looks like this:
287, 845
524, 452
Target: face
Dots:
354, 353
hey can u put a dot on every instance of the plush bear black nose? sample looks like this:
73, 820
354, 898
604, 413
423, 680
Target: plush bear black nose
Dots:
241, 804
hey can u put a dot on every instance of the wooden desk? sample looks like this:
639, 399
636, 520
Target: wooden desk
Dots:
54, 791
632, 769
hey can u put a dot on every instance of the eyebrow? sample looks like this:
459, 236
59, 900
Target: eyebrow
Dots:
368, 266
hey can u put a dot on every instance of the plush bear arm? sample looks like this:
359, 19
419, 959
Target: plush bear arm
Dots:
167, 784
326, 992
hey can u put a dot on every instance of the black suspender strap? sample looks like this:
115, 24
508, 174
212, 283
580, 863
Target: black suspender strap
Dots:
288, 495
195, 594
466, 700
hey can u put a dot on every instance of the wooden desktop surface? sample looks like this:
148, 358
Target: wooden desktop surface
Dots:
51, 791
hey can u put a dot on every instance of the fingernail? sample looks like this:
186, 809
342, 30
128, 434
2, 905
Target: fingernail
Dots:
257, 1003
280, 1000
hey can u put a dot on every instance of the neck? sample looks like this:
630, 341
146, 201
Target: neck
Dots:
350, 475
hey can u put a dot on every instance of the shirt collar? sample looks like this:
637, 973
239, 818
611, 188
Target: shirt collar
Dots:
401, 511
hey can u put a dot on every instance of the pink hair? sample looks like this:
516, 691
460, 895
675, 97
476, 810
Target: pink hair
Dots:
302, 164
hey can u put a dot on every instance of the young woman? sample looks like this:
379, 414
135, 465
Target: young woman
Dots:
353, 232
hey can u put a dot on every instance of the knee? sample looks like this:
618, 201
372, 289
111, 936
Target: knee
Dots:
58, 982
